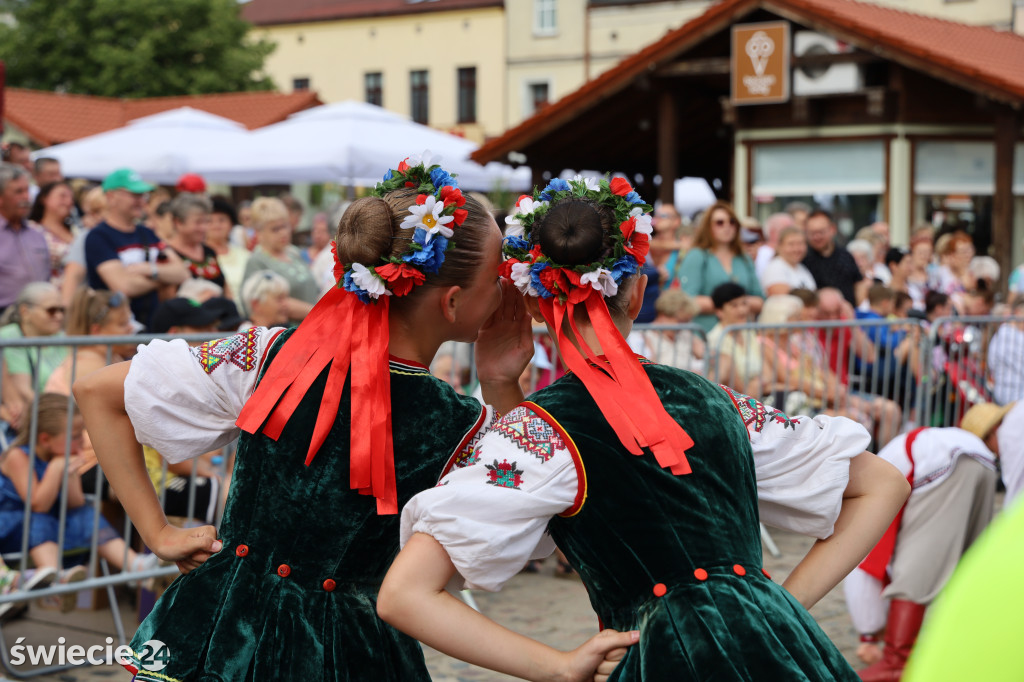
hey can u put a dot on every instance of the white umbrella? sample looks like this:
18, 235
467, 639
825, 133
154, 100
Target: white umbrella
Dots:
160, 147
351, 143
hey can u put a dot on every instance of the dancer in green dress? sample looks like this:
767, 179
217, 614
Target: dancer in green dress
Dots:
652, 481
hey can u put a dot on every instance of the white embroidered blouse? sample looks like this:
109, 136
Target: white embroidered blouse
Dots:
491, 509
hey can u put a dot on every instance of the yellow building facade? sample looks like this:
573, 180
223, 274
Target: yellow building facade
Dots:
401, 59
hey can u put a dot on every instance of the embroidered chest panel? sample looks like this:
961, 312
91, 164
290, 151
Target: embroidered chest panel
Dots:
238, 350
755, 414
530, 433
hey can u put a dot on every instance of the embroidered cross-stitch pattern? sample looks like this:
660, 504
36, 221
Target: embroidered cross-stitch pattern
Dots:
754, 412
504, 474
239, 350
531, 433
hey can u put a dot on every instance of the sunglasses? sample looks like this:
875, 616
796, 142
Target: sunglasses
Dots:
54, 310
720, 221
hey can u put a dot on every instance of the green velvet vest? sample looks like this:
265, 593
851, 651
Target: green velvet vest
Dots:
679, 557
292, 596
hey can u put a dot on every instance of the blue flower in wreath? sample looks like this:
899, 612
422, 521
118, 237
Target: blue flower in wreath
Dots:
623, 268
535, 271
517, 243
634, 198
556, 185
350, 285
388, 176
430, 257
440, 177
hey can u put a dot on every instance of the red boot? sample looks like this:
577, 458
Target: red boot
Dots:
905, 618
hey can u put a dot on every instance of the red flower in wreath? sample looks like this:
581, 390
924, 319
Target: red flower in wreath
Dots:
402, 278
403, 166
460, 215
339, 269
578, 293
452, 195
620, 186
555, 280
638, 246
505, 269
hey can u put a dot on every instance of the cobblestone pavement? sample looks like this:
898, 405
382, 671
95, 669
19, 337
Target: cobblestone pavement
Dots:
553, 610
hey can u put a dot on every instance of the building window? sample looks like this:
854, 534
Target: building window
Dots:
537, 95
420, 89
300, 84
467, 95
545, 17
374, 88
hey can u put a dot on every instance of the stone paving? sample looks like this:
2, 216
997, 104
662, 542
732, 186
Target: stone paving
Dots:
553, 610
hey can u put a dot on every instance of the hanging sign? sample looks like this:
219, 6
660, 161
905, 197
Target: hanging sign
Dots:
760, 63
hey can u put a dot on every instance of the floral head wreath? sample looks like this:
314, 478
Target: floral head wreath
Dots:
433, 218
537, 275
359, 334
617, 382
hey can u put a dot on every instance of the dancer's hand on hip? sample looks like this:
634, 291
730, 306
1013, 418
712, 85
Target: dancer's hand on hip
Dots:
598, 656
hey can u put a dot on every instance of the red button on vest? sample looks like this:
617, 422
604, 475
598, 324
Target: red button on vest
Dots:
241, 550
660, 590
284, 570
766, 574
329, 585
700, 574
739, 570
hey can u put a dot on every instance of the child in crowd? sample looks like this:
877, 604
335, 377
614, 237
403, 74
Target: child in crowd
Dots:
660, 522
38, 484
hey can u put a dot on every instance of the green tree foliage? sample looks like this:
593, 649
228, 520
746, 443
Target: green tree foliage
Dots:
131, 48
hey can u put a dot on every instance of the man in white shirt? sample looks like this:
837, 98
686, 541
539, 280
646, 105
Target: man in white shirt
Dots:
1006, 358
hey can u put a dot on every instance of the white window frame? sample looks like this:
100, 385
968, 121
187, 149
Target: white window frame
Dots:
542, 8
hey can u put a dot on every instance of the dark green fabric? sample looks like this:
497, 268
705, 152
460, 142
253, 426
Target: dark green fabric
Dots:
235, 618
641, 526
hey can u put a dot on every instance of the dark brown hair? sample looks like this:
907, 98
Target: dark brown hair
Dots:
705, 241
370, 229
579, 231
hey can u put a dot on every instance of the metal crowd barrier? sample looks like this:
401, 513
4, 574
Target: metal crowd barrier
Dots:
98, 573
913, 373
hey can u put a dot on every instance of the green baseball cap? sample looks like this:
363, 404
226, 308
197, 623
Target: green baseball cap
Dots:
126, 179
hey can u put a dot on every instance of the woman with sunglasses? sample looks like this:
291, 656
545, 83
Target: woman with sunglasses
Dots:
716, 258
36, 313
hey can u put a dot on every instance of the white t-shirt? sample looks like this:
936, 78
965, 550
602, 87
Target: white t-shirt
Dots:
778, 271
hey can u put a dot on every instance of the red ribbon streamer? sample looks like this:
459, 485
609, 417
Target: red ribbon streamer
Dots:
361, 332
624, 394
877, 561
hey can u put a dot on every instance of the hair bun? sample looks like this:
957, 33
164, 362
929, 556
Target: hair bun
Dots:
365, 231
572, 233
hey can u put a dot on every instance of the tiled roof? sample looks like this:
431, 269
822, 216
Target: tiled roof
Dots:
976, 58
50, 117
271, 12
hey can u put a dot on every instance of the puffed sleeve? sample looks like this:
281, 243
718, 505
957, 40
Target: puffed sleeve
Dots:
184, 401
802, 465
491, 511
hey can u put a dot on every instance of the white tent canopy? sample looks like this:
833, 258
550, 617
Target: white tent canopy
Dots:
351, 143
160, 147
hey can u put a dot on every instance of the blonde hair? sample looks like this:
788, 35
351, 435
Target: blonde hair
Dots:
261, 284
89, 307
676, 303
265, 210
780, 309
52, 418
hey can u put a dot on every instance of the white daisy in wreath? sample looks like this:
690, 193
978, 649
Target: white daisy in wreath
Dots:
643, 221
591, 184
428, 216
526, 206
368, 282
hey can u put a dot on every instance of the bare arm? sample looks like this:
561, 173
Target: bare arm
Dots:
777, 289
297, 310
873, 496
100, 397
120, 277
414, 600
74, 277
45, 490
705, 305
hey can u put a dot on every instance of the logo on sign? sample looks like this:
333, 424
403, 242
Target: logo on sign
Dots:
759, 48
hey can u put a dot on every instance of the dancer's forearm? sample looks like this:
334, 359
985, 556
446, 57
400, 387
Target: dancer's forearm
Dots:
873, 496
100, 397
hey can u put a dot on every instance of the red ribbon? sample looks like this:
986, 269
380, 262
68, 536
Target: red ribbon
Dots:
624, 394
877, 561
361, 332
